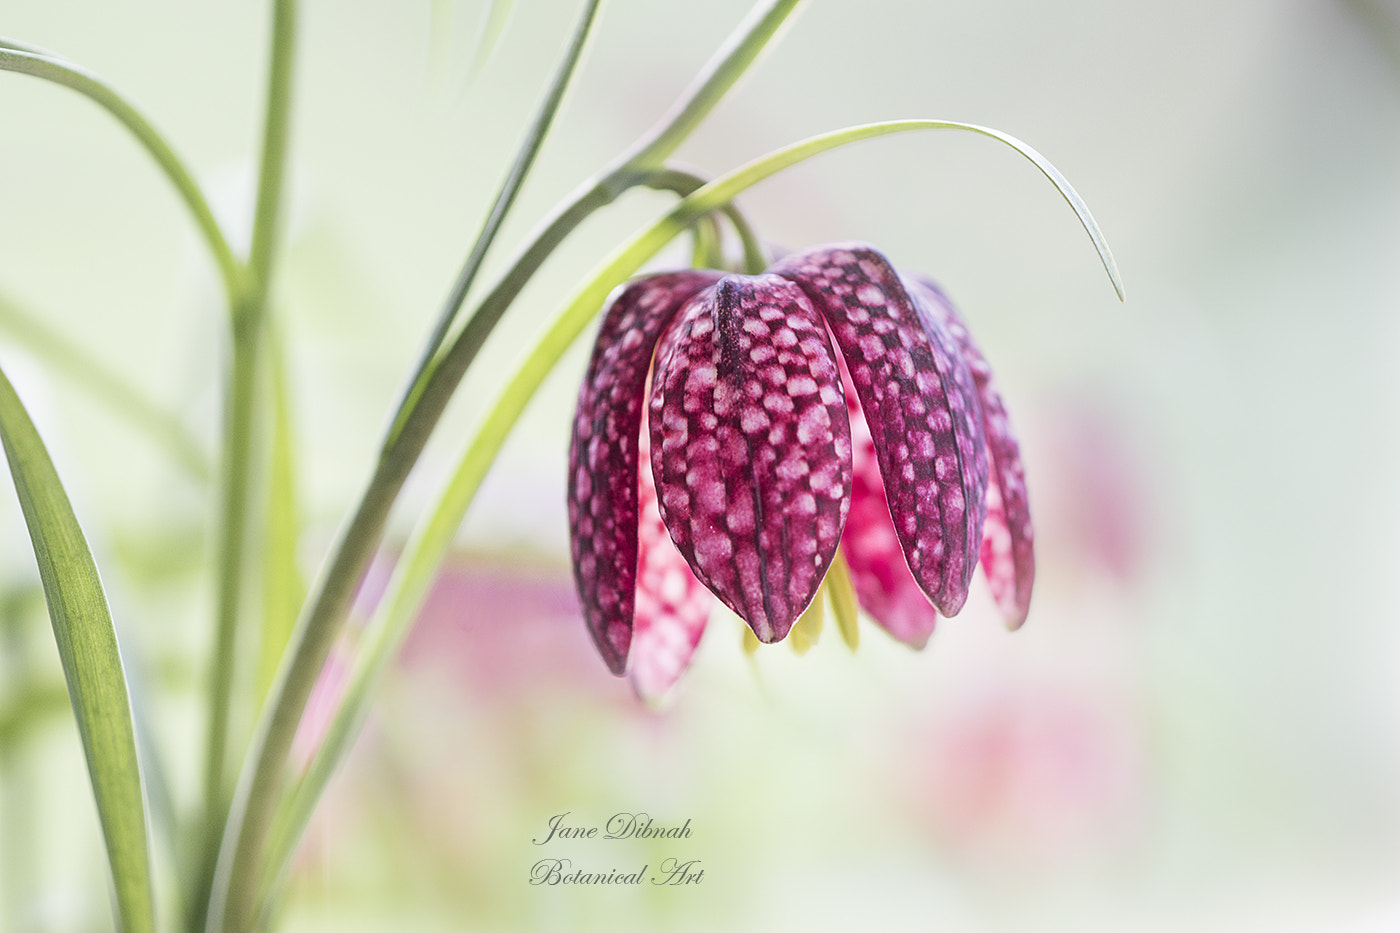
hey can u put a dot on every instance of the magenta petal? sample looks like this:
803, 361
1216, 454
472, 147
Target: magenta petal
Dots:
921, 405
751, 447
1008, 553
884, 586
603, 502
672, 606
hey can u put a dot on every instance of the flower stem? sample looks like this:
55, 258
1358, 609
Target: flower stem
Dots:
670, 178
249, 316
267, 220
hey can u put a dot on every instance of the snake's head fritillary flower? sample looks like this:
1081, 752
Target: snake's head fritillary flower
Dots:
827, 402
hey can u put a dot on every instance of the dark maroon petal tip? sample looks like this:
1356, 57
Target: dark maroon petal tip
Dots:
603, 497
920, 403
1008, 552
751, 447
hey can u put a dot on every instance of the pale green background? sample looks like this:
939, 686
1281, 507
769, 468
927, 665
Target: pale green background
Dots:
1198, 732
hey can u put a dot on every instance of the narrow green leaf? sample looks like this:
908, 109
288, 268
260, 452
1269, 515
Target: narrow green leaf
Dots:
724, 189
284, 588
843, 600
92, 665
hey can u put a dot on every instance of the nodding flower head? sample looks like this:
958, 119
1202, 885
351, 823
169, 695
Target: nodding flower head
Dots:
768, 448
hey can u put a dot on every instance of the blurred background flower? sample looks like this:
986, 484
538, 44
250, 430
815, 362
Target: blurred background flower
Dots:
1199, 726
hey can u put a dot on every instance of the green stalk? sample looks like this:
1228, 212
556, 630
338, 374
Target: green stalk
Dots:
283, 589
23, 59
248, 323
670, 178
233, 520
250, 819
707, 244
267, 220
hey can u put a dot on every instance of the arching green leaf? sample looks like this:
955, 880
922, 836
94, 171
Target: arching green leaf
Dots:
92, 664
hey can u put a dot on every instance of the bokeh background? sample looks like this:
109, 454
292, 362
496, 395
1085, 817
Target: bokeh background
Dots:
1199, 726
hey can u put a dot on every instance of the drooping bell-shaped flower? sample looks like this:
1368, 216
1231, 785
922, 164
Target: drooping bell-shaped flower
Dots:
827, 401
